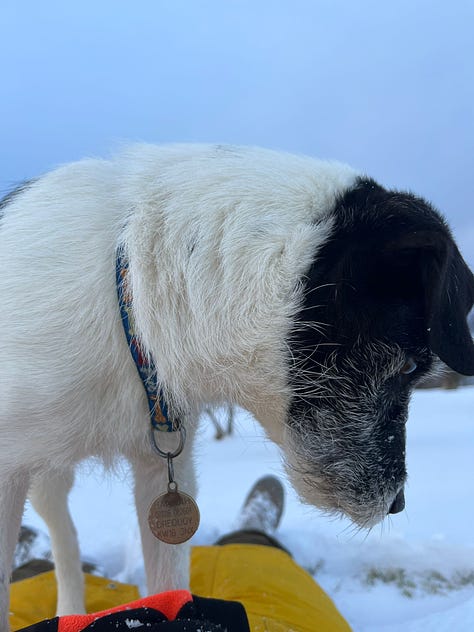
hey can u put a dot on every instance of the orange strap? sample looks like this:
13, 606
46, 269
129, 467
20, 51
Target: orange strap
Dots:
169, 603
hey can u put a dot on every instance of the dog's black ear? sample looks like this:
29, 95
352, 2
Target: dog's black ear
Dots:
448, 287
452, 298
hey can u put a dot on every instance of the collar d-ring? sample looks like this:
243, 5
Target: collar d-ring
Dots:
167, 454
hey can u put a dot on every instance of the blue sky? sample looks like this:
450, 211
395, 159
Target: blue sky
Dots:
387, 87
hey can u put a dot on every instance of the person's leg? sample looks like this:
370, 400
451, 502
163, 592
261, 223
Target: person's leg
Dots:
272, 587
260, 515
250, 536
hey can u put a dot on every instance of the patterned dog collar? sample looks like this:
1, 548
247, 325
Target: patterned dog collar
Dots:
159, 417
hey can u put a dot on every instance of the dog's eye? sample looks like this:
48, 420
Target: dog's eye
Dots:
409, 366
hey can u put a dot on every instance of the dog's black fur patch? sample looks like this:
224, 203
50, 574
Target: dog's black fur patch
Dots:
390, 272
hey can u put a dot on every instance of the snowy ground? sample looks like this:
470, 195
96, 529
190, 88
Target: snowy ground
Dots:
413, 573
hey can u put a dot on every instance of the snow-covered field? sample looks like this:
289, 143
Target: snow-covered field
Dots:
413, 573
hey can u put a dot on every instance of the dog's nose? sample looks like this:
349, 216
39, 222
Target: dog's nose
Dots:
398, 504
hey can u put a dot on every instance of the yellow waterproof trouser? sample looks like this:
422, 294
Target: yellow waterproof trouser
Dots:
278, 595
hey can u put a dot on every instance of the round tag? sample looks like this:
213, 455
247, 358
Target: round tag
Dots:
173, 517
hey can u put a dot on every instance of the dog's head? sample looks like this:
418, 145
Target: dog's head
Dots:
387, 295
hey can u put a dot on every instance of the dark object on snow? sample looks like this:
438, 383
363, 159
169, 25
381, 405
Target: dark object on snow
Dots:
31, 568
176, 611
26, 539
36, 566
221, 430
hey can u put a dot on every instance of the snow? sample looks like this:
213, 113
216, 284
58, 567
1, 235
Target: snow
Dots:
414, 572
133, 623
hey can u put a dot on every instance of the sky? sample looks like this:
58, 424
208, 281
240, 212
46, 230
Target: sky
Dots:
386, 87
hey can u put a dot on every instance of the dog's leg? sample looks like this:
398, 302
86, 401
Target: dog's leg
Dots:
219, 430
48, 496
230, 419
166, 565
13, 490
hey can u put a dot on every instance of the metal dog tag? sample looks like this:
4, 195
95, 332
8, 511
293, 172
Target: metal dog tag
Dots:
173, 517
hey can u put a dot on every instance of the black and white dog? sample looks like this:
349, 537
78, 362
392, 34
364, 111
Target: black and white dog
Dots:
295, 288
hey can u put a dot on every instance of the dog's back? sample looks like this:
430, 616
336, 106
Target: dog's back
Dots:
63, 360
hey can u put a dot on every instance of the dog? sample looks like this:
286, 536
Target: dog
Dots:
299, 289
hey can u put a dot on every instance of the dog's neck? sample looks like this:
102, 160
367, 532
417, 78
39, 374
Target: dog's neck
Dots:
216, 277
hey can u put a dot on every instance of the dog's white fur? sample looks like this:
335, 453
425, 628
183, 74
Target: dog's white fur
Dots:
218, 240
